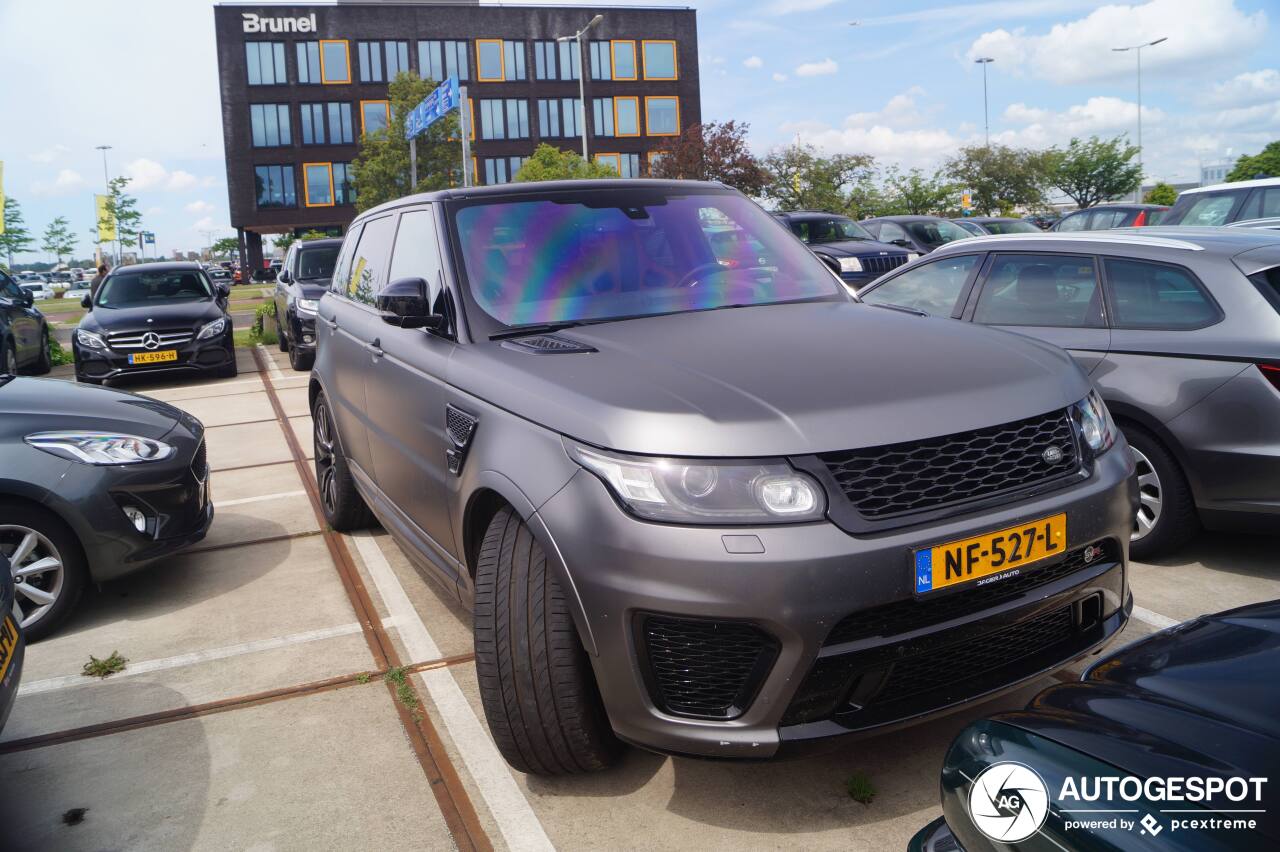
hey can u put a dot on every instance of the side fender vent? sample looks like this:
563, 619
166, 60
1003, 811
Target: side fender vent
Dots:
461, 428
547, 344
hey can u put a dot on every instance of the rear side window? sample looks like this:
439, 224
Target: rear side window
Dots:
1074, 222
1153, 295
1105, 219
934, 288
1263, 203
369, 261
1268, 283
1204, 209
1041, 289
342, 266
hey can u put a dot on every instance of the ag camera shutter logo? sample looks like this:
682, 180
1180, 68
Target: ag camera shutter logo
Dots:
1008, 802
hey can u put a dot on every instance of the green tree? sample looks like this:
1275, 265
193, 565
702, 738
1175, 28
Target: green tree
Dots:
1265, 162
283, 241
713, 151
380, 171
550, 163
58, 239
1161, 193
225, 247
123, 208
802, 179
999, 177
16, 238
1090, 172
314, 235
916, 193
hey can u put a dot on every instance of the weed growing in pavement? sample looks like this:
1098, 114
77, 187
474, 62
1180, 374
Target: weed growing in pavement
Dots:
404, 692
363, 677
104, 668
860, 788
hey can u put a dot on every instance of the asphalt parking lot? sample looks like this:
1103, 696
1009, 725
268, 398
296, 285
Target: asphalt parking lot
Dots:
254, 712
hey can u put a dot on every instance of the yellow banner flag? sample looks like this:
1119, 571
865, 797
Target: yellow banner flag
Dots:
106, 222
1, 196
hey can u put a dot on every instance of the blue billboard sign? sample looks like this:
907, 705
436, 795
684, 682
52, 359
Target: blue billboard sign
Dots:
434, 107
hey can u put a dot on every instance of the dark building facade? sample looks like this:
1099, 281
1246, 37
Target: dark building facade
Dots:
301, 83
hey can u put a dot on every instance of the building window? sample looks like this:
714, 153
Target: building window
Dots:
373, 68
317, 181
613, 161
269, 124
655, 157
344, 191
501, 169
556, 60
274, 186
498, 60
601, 61
265, 62
623, 56
626, 116
504, 118
374, 116
662, 116
335, 61
602, 112
626, 165
338, 117
308, 61
659, 60
559, 117
440, 60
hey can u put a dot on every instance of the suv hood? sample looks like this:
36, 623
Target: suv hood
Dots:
773, 380
175, 315
857, 248
48, 405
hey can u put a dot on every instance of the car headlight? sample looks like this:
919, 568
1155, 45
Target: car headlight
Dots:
100, 447
696, 491
307, 306
90, 340
912, 255
850, 264
1094, 422
213, 329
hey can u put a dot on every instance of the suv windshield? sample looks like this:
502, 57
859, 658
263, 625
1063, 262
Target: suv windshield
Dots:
934, 234
610, 254
831, 230
123, 290
317, 262
1202, 208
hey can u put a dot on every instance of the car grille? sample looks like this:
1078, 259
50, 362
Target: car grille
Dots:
704, 668
905, 616
881, 265
133, 339
915, 476
200, 462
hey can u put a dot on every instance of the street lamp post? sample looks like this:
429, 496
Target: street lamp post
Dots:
984, 61
106, 181
582, 76
1137, 48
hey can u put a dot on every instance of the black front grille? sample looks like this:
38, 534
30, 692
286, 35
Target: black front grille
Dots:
881, 265
905, 616
704, 668
915, 476
200, 462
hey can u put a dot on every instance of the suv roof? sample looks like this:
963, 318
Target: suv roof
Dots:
327, 241
1240, 184
1216, 240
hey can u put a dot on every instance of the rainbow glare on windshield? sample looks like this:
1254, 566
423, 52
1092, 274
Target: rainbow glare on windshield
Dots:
541, 261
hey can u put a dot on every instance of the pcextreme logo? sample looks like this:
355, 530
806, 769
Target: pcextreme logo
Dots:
254, 23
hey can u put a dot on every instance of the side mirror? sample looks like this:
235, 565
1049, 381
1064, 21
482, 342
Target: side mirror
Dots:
223, 290
831, 262
901, 242
27, 299
87, 302
284, 277
405, 303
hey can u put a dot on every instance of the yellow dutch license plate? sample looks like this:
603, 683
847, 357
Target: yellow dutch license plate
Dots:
154, 357
990, 557
8, 644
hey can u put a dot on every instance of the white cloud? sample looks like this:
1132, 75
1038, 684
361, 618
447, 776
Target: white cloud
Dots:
817, 69
145, 174
1100, 116
778, 77
1198, 31
48, 155
900, 111
65, 182
208, 224
1245, 89
180, 180
199, 208
893, 134
789, 7
153, 211
753, 62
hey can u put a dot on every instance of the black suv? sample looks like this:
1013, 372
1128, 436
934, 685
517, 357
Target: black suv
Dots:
24, 334
303, 279
845, 246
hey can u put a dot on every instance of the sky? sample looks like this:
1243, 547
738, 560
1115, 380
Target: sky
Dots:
901, 84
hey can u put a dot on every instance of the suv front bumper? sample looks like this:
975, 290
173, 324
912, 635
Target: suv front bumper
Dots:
662, 606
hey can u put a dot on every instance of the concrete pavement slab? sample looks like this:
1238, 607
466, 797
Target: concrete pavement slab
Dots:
1215, 571
301, 427
202, 389
293, 398
228, 410
247, 444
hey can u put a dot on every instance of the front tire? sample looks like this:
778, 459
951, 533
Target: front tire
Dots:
343, 507
47, 564
1166, 518
539, 693
44, 363
10, 360
301, 361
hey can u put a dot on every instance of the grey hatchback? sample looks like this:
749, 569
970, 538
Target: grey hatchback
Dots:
1179, 328
684, 513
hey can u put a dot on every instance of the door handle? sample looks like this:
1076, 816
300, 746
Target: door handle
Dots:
332, 323
375, 347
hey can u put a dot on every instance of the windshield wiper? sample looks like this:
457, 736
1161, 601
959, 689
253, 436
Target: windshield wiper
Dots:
902, 308
537, 328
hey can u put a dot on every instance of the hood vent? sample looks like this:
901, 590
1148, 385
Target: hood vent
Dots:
546, 344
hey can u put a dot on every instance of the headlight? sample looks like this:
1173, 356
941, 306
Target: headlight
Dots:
100, 447
912, 255
766, 491
89, 339
307, 306
850, 264
213, 329
1094, 422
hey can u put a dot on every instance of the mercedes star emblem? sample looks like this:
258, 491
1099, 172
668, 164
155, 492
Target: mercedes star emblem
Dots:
150, 340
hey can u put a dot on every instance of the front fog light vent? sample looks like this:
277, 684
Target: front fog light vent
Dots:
137, 517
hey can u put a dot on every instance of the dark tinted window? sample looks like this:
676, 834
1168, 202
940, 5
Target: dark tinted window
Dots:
1203, 208
1048, 290
149, 288
1152, 295
1074, 222
933, 288
342, 266
317, 262
1016, 226
1268, 283
934, 234
369, 261
1104, 219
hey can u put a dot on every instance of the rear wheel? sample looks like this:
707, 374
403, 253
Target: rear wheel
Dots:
539, 693
1166, 517
301, 361
344, 509
48, 568
44, 363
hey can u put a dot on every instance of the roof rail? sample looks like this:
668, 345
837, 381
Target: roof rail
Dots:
1076, 237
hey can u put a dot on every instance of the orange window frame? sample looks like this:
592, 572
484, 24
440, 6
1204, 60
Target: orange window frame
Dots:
386, 108
675, 58
649, 98
502, 61
654, 155
306, 184
635, 100
615, 160
324, 77
613, 60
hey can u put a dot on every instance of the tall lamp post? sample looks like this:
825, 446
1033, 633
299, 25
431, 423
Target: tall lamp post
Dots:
1137, 48
984, 61
582, 76
106, 179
